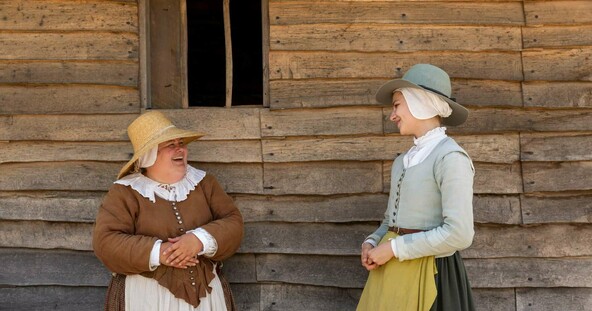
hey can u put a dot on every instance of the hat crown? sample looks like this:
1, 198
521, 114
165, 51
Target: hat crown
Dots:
147, 128
430, 77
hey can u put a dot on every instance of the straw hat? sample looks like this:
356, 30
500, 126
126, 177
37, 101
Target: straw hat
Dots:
149, 130
430, 79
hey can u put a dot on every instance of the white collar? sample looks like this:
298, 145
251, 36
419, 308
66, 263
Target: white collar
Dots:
435, 134
171, 192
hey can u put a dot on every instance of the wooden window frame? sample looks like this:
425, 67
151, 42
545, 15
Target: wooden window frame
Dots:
168, 89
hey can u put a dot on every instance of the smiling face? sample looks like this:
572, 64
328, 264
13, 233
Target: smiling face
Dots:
171, 162
401, 115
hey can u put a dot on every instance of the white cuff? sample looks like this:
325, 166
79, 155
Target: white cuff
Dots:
371, 242
210, 246
155, 255
394, 247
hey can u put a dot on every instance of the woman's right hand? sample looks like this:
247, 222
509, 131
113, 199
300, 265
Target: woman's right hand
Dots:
191, 262
367, 262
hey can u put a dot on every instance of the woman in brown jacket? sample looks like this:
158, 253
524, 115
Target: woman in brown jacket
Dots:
164, 227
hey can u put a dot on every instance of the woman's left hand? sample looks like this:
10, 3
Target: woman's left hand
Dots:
184, 247
381, 254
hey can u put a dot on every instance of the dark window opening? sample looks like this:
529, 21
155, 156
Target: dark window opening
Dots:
206, 56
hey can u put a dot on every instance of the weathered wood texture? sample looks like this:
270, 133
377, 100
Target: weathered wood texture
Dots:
553, 37
546, 299
557, 12
575, 64
558, 94
555, 146
560, 209
557, 176
83, 298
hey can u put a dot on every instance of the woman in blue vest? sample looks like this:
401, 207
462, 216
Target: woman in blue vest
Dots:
413, 256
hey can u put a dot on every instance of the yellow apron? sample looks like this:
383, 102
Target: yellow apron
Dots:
400, 285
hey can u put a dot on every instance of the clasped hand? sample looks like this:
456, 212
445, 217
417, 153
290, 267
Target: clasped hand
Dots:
372, 257
181, 252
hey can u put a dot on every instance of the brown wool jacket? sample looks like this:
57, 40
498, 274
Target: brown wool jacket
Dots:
128, 224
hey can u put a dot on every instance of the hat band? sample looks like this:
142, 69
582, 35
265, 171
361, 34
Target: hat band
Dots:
437, 92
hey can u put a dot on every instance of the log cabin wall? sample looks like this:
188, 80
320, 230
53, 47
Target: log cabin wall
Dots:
311, 173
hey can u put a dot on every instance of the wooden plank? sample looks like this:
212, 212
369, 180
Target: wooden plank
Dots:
491, 120
400, 38
122, 73
67, 15
557, 12
365, 207
347, 272
548, 299
322, 177
199, 151
315, 93
332, 121
494, 299
489, 178
240, 268
56, 267
557, 37
504, 209
46, 235
216, 123
549, 240
235, 177
98, 176
247, 297
555, 146
484, 148
574, 64
312, 209
556, 209
68, 99
302, 297
557, 176
529, 272
347, 12
50, 206
558, 94
57, 297
65, 46
466, 65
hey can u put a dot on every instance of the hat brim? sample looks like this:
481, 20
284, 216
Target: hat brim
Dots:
384, 95
172, 133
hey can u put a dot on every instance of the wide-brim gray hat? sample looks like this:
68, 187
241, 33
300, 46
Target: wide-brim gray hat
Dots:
431, 79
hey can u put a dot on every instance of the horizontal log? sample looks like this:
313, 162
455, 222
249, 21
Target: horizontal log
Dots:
557, 37
466, 65
214, 151
489, 120
122, 73
67, 15
496, 209
246, 296
549, 240
216, 123
299, 297
556, 209
557, 12
331, 121
558, 176
27, 267
557, 94
487, 299
483, 148
48, 206
555, 147
56, 297
548, 299
69, 46
489, 178
386, 38
240, 268
98, 176
568, 64
68, 99
346, 12
46, 235
322, 177
347, 272
313, 209
316, 93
